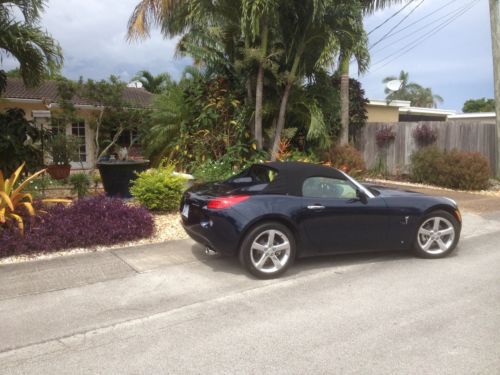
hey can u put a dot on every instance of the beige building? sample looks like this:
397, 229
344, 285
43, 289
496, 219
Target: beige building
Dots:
402, 111
38, 102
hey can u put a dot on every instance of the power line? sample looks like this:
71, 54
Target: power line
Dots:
421, 19
391, 17
413, 33
426, 36
395, 26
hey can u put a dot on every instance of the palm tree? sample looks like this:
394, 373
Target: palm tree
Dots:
153, 84
38, 53
423, 97
355, 44
413, 92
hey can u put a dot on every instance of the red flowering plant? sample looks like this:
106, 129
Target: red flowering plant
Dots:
424, 135
384, 136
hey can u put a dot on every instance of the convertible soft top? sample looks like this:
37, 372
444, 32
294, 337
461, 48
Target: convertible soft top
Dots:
291, 176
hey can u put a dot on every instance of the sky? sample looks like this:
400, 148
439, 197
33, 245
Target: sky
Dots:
455, 62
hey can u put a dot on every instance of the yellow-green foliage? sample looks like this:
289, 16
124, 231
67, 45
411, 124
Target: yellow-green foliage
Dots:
13, 198
159, 189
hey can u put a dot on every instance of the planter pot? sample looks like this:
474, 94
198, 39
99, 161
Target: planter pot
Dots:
117, 175
58, 172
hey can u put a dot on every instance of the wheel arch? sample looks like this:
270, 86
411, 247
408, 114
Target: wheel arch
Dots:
444, 207
287, 222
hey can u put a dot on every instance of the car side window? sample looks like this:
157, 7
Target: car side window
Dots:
326, 187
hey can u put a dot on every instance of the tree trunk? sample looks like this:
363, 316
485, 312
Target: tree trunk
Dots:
344, 98
281, 121
495, 42
259, 86
258, 106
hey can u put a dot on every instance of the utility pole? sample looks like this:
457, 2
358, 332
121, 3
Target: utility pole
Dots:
495, 41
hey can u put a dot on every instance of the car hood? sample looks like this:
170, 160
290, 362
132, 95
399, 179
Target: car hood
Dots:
392, 192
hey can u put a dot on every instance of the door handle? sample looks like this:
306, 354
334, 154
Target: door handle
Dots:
315, 207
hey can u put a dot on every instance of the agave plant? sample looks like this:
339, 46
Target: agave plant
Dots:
12, 198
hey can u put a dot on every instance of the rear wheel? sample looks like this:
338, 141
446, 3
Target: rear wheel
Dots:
437, 235
268, 250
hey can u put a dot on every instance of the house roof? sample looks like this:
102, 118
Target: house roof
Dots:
47, 93
392, 103
423, 111
405, 107
474, 115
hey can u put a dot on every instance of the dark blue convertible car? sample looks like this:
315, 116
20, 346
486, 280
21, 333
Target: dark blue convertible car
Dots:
272, 213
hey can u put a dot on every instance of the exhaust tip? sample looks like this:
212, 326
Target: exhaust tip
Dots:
210, 251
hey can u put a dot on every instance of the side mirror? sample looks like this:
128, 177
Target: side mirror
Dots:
362, 196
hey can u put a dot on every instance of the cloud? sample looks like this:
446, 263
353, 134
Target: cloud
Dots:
93, 38
455, 62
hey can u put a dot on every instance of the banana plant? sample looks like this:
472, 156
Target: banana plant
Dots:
12, 198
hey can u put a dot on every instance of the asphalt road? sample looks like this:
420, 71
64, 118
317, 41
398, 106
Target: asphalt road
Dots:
384, 313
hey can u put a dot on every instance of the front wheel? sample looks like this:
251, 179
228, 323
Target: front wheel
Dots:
268, 250
437, 235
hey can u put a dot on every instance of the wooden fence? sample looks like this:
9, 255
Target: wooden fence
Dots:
469, 136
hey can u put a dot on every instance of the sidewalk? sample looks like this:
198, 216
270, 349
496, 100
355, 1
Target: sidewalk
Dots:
89, 268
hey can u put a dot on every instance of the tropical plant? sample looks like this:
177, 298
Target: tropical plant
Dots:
153, 84
12, 198
346, 158
36, 51
417, 95
384, 136
20, 140
479, 105
62, 148
424, 135
159, 189
267, 47
114, 117
80, 183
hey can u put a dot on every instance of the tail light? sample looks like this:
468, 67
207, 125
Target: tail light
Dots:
220, 203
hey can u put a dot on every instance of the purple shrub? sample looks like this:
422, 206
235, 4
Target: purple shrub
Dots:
87, 222
424, 135
384, 136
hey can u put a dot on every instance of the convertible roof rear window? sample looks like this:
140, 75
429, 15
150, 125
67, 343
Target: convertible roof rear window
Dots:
256, 174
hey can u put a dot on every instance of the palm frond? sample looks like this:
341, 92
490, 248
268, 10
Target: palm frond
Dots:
36, 51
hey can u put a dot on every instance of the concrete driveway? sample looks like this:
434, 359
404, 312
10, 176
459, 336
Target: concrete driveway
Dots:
169, 309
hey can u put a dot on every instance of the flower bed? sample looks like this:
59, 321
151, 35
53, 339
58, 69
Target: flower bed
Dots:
87, 222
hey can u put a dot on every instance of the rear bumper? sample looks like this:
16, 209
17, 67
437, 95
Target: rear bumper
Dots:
217, 233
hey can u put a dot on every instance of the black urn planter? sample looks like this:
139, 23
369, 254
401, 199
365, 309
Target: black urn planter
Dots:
117, 175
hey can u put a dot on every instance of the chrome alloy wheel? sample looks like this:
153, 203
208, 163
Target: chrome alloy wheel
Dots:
270, 251
436, 235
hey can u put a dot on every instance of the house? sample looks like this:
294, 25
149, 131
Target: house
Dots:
37, 103
402, 111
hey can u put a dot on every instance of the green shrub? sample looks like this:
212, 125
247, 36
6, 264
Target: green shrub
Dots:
454, 169
159, 189
213, 170
80, 183
346, 158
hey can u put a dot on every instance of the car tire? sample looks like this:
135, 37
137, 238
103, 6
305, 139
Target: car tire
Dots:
437, 235
268, 250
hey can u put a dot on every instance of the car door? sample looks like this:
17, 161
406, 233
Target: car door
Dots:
333, 219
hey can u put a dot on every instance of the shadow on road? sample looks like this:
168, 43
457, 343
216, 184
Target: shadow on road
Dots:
228, 264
